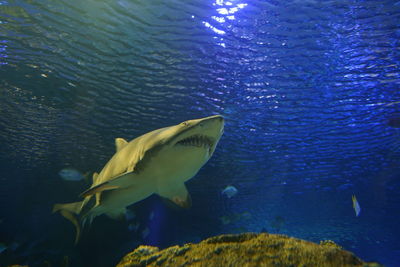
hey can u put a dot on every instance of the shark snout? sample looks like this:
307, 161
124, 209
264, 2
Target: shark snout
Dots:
206, 131
213, 121
216, 117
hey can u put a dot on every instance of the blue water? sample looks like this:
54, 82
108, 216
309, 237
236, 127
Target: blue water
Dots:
309, 91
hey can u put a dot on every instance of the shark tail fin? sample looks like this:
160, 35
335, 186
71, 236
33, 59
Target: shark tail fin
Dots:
71, 212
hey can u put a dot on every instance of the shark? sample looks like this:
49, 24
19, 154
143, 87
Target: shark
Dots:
158, 162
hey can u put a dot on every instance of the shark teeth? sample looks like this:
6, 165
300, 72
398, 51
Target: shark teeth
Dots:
197, 141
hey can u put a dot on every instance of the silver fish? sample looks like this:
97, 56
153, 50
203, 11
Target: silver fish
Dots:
229, 191
71, 174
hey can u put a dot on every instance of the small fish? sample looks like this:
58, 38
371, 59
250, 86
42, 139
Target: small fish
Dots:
229, 191
2, 247
71, 174
356, 206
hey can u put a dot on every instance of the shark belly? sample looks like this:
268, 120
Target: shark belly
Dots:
178, 166
164, 173
115, 201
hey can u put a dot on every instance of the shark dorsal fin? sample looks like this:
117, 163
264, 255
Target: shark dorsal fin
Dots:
122, 181
120, 143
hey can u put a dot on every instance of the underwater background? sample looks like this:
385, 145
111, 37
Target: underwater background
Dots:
310, 93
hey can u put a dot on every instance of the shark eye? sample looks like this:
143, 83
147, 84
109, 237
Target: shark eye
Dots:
185, 123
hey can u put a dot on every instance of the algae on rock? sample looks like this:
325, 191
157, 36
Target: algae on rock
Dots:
248, 249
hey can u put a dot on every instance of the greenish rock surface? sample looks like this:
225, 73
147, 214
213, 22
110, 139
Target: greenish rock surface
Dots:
248, 249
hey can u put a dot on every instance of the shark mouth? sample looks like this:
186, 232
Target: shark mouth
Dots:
197, 141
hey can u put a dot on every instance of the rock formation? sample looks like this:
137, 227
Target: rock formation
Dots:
248, 249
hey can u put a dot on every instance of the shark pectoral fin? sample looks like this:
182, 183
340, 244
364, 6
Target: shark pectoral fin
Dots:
98, 189
177, 194
122, 181
120, 143
117, 214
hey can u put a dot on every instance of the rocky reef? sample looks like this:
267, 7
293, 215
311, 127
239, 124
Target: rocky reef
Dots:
248, 249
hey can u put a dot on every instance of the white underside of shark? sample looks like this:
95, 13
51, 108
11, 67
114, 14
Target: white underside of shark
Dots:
158, 162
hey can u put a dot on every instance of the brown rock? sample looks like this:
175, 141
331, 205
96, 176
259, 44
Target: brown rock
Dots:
248, 249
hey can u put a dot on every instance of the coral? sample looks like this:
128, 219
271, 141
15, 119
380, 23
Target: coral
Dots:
248, 249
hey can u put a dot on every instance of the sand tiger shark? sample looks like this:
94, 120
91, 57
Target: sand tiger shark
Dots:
158, 162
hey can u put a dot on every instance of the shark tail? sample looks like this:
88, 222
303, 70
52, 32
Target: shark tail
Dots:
71, 212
